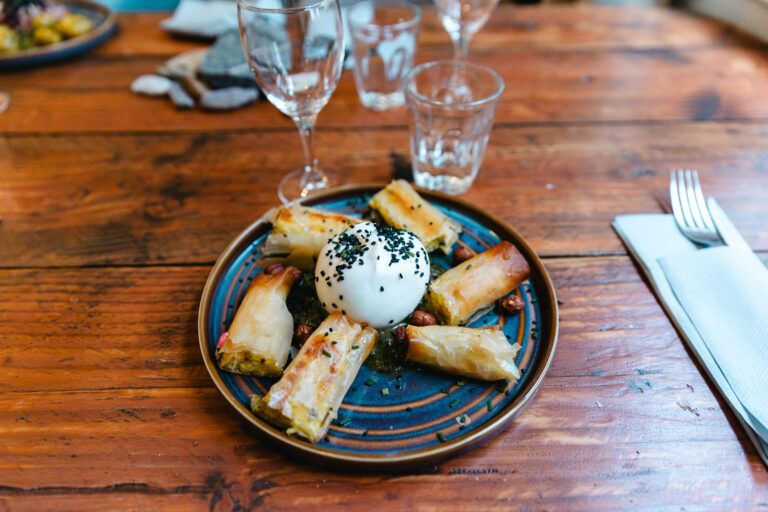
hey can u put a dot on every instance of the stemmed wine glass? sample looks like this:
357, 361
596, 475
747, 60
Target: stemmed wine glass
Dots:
462, 19
295, 50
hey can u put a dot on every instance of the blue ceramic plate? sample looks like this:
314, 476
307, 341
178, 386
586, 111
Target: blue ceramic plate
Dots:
426, 415
104, 24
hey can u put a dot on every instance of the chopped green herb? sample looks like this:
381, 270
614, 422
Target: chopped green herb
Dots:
460, 383
326, 353
441, 437
501, 386
454, 403
385, 391
343, 421
445, 391
469, 267
369, 382
489, 405
355, 347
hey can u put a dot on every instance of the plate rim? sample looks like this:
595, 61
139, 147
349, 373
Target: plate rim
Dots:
65, 48
422, 456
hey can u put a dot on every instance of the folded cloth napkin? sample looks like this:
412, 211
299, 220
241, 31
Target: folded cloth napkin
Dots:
202, 18
211, 18
718, 300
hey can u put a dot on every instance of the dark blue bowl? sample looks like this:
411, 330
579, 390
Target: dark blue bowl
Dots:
104, 26
426, 415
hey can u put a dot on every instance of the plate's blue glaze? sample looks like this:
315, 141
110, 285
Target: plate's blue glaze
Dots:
421, 402
103, 28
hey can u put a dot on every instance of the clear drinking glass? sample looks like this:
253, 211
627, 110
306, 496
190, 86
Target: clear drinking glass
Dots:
462, 19
449, 133
384, 34
295, 50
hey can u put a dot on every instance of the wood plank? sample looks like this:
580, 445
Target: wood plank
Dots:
554, 26
541, 87
140, 199
632, 450
66, 330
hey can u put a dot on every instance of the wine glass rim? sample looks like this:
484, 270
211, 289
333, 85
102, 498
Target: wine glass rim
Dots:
250, 5
411, 91
388, 3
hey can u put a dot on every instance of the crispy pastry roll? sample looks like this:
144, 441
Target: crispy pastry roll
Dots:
300, 227
401, 206
477, 283
482, 353
259, 339
307, 397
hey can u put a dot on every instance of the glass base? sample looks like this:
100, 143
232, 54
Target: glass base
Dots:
453, 185
290, 187
381, 101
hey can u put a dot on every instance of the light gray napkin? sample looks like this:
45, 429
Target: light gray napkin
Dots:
212, 18
202, 18
718, 299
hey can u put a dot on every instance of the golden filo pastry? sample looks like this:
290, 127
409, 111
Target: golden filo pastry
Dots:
476, 283
259, 339
307, 397
302, 228
482, 353
402, 207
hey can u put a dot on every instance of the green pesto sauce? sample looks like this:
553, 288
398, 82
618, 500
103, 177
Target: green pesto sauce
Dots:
386, 356
306, 308
303, 303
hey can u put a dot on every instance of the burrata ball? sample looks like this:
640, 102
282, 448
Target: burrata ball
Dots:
372, 273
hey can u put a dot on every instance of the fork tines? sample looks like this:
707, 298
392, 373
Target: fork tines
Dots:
689, 208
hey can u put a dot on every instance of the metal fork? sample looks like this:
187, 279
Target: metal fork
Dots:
689, 208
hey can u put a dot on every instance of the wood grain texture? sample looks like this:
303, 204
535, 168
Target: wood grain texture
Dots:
624, 419
561, 27
545, 82
143, 199
113, 208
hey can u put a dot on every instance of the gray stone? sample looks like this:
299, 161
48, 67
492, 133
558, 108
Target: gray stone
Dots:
180, 98
225, 64
228, 98
151, 85
193, 86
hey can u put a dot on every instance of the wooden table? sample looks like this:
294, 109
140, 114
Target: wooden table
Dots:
114, 208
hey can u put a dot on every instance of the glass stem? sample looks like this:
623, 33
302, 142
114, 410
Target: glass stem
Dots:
312, 178
461, 46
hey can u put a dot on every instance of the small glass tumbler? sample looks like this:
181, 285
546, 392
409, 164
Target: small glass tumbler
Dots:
384, 34
451, 106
